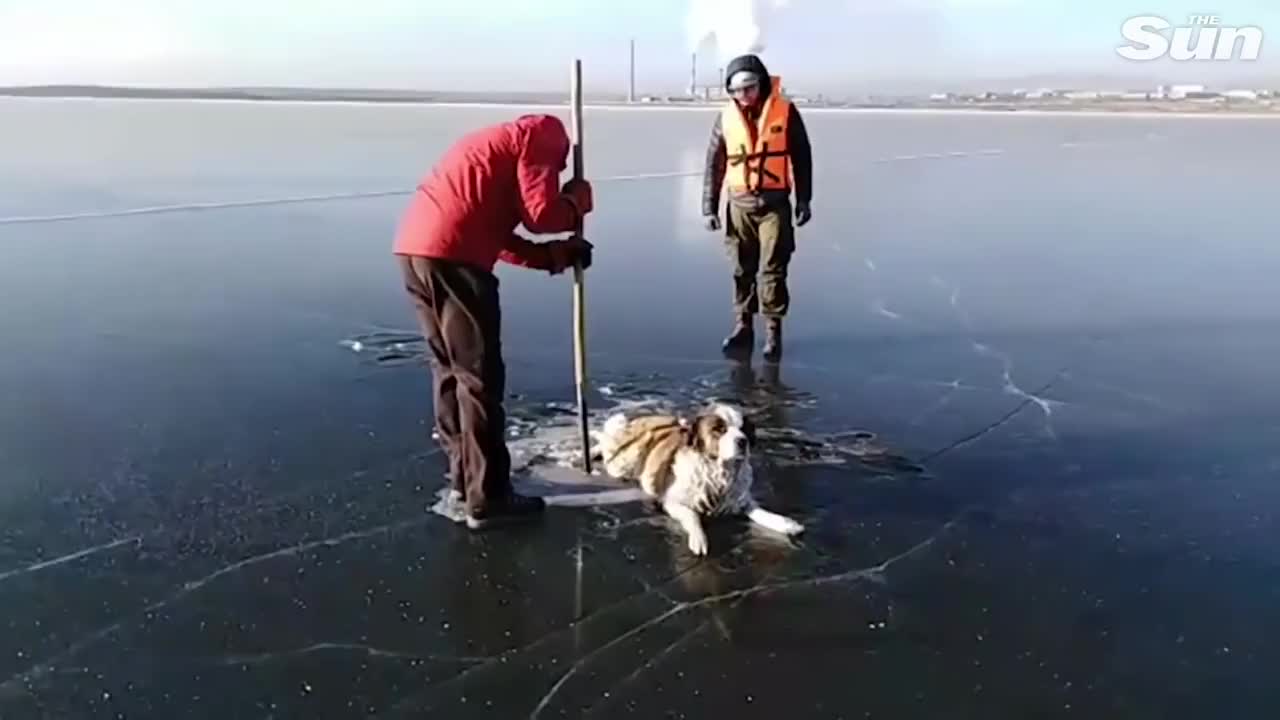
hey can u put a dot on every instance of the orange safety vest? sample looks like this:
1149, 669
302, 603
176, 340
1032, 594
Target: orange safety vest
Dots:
757, 154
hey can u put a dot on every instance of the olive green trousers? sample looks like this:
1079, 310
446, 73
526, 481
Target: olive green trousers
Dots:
760, 244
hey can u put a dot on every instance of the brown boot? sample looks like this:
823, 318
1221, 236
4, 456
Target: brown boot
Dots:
511, 508
743, 338
773, 340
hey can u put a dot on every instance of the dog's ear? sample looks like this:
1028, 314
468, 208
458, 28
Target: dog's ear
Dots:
749, 429
689, 432
692, 435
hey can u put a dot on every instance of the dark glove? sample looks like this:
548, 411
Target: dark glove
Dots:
567, 253
711, 222
579, 192
803, 214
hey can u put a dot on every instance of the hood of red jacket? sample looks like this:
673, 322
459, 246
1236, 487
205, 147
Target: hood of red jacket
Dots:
544, 138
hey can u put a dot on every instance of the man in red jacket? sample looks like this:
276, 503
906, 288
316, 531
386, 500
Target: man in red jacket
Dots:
460, 223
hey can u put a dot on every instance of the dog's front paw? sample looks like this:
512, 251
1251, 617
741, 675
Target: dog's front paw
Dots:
775, 522
790, 527
698, 543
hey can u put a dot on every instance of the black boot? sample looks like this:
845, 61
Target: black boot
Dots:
773, 340
743, 338
511, 508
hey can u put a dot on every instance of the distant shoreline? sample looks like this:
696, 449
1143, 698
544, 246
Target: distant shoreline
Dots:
1136, 109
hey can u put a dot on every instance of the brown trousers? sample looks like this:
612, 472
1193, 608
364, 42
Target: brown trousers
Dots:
760, 243
458, 309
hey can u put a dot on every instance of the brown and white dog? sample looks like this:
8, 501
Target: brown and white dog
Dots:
699, 467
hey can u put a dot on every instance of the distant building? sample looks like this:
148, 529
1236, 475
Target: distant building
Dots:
1247, 95
1180, 92
1042, 93
1081, 94
1135, 96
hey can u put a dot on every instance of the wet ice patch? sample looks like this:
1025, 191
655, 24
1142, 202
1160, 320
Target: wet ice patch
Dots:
545, 444
449, 506
388, 347
788, 447
544, 440
565, 486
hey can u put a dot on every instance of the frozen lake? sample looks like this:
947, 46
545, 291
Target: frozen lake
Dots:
1060, 334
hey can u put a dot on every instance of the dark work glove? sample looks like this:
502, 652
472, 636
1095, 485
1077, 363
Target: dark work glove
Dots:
803, 214
567, 253
711, 222
580, 193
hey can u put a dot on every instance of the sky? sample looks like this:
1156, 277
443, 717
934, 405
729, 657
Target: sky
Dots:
818, 46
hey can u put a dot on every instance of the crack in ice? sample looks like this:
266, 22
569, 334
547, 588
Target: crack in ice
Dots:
194, 585
387, 192
875, 574
657, 659
345, 647
979, 434
569, 628
504, 656
880, 309
42, 669
1010, 387
46, 564
679, 608
546, 699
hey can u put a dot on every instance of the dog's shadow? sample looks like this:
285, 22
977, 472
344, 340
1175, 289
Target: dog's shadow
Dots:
742, 565
744, 556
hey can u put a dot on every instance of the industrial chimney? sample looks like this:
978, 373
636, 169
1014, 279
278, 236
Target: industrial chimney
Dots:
693, 77
631, 87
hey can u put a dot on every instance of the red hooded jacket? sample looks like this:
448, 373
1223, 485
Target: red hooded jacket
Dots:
467, 208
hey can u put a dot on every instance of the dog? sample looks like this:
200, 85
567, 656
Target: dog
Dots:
695, 468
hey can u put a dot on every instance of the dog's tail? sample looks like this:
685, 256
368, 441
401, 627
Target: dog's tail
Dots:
616, 423
606, 439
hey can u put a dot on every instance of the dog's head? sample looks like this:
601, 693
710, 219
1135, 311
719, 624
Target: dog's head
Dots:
722, 433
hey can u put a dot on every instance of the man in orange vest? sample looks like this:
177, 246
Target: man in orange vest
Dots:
760, 147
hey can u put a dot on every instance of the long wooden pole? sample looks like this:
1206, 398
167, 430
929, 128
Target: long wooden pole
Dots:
579, 296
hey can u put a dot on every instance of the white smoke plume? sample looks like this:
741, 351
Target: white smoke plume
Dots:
736, 26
